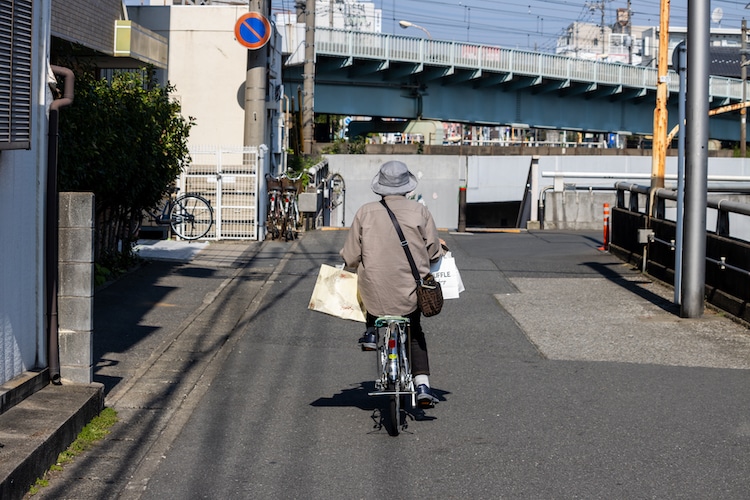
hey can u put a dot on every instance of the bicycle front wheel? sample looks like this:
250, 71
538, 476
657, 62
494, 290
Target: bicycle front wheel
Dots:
191, 217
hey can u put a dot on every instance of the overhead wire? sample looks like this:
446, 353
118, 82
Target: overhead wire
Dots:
534, 24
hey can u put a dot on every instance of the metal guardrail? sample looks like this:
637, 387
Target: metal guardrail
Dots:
654, 239
560, 176
724, 208
453, 55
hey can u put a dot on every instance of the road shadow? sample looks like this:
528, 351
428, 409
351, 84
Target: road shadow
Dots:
634, 284
358, 397
120, 308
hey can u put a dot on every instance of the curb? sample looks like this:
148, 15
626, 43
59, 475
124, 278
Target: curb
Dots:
37, 430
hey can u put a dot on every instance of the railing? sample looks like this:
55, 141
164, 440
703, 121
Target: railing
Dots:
717, 182
531, 143
453, 55
314, 207
727, 279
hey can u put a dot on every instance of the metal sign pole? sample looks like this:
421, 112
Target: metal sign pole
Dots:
680, 55
696, 161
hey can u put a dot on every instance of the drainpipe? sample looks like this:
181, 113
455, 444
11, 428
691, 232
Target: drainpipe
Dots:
52, 227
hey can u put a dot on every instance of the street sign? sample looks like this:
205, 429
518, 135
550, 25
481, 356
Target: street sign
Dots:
252, 30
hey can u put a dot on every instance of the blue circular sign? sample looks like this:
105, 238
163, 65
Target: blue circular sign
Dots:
252, 30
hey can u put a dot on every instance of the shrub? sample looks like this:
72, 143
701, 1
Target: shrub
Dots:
125, 141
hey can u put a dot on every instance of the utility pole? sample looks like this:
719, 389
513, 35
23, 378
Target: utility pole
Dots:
600, 5
255, 85
308, 80
743, 70
659, 151
630, 34
601, 26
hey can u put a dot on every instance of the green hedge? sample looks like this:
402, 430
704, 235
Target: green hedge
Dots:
126, 141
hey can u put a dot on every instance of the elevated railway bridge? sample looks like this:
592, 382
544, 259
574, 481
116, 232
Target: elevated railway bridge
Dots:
385, 75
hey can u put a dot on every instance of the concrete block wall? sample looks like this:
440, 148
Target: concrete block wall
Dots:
576, 210
76, 287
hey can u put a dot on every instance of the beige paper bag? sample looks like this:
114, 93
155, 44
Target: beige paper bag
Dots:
335, 293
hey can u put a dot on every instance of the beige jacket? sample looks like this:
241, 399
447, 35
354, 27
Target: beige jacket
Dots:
386, 283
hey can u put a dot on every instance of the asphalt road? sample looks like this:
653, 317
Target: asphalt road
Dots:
281, 409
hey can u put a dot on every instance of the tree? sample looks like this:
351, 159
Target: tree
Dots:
126, 141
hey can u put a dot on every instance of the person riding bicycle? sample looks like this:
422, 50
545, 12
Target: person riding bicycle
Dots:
386, 283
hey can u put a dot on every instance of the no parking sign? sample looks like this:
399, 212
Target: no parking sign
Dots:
252, 30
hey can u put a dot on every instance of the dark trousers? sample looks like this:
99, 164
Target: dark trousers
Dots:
420, 363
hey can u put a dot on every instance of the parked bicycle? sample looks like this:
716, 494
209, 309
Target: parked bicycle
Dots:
292, 187
275, 218
394, 371
189, 215
283, 211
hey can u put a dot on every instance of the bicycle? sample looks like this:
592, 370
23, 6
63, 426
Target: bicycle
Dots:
275, 217
291, 187
395, 378
190, 215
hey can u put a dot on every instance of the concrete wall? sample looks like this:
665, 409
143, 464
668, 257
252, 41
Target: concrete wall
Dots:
206, 65
504, 178
576, 210
208, 68
22, 181
438, 182
76, 287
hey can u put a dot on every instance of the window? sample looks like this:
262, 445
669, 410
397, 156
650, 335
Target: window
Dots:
15, 74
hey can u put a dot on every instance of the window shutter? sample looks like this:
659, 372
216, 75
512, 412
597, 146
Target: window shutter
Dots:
15, 74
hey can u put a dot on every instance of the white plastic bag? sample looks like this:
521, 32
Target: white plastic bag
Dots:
446, 272
335, 293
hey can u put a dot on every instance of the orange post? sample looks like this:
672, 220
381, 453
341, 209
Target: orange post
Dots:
605, 243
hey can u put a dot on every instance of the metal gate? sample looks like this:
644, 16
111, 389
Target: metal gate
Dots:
228, 178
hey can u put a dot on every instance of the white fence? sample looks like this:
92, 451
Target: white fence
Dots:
228, 178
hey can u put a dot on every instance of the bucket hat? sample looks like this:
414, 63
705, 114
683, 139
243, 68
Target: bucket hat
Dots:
394, 178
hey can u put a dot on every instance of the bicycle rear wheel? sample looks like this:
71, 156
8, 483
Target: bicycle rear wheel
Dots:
191, 217
394, 409
394, 380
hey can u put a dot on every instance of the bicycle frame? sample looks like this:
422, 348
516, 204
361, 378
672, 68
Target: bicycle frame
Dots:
274, 203
162, 217
290, 206
393, 358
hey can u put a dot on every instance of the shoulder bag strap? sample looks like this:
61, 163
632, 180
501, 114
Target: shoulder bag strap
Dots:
404, 243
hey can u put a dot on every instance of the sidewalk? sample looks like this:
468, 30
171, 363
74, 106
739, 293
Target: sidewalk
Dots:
163, 332
35, 431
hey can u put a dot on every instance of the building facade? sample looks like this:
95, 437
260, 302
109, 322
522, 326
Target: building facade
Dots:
91, 26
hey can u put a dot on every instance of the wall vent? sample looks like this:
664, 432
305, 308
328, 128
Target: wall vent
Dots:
15, 74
